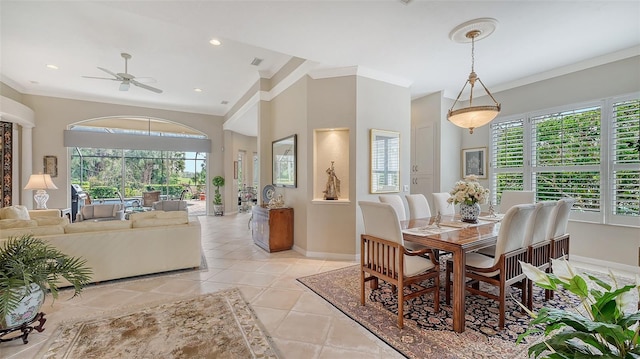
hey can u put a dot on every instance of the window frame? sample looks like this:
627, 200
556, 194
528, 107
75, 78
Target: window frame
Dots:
606, 167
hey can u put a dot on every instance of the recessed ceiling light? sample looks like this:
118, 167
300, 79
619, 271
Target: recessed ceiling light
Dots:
215, 42
197, 90
51, 66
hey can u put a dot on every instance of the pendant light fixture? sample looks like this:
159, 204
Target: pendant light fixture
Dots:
472, 116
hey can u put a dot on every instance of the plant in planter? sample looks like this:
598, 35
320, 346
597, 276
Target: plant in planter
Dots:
606, 325
218, 209
28, 268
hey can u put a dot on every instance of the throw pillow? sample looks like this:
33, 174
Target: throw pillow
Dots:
14, 212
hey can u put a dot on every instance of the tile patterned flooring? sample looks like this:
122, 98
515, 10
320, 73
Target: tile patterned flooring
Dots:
301, 324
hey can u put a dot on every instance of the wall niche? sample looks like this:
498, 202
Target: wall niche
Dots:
330, 145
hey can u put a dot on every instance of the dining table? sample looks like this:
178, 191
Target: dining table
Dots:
457, 237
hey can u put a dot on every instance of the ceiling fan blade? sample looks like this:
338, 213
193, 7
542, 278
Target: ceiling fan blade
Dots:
147, 87
124, 86
99, 78
110, 73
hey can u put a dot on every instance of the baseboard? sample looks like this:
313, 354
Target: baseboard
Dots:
605, 264
329, 256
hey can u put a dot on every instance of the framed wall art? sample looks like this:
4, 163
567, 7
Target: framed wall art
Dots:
284, 161
50, 164
474, 162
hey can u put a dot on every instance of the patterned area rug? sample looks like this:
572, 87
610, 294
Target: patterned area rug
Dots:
216, 325
427, 334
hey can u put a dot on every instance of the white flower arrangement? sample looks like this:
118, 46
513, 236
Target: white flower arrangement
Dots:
468, 191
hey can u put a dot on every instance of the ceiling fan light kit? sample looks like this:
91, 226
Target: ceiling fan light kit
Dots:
125, 78
471, 116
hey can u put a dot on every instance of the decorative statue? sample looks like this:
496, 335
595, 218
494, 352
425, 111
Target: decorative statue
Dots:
333, 185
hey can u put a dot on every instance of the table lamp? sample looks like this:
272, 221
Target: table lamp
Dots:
41, 182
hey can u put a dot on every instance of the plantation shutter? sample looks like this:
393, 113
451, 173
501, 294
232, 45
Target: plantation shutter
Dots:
625, 157
565, 156
507, 156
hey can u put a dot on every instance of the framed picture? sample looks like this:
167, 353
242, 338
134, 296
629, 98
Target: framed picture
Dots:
235, 169
284, 161
474, 162
51, 165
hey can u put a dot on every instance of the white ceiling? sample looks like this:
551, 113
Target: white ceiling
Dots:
169, 42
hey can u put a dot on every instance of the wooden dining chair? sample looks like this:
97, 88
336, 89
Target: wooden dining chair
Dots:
441, 205
418, 206
539, 242
383, 256
559, 234
503, 270
509, 199
396, 202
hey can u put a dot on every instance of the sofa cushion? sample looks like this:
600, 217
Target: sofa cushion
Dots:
51, 221
173, 214
14, 212
36, 231
142, 215
158, 222
96, 226
17, 223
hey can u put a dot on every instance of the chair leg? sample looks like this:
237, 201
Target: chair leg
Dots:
400, 306
436, 295
529, 294
503, 299
526, 294
447, 287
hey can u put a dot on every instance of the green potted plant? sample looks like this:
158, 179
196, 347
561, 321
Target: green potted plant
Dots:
605, 326
28, 268
218, 208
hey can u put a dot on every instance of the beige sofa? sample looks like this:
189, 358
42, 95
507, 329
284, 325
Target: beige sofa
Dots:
149, 242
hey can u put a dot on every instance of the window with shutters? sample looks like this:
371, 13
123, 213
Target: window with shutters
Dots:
507, 157
589, 152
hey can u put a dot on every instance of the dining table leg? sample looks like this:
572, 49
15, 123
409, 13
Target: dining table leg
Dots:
459, 290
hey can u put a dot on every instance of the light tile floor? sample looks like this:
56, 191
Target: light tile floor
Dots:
302, 324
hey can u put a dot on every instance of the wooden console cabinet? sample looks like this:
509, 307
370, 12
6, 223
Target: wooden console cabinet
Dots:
272, 229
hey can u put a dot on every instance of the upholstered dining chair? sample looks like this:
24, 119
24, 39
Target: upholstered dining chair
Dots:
441, 205
511, 198
383, 256
558, 232
396, 202
508, 200
418, 206
502, 270
539, 242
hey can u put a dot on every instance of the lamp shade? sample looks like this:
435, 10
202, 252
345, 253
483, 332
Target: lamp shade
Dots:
40, 181
473, 117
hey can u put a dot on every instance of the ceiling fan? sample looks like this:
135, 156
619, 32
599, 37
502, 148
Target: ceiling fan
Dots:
126, 78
